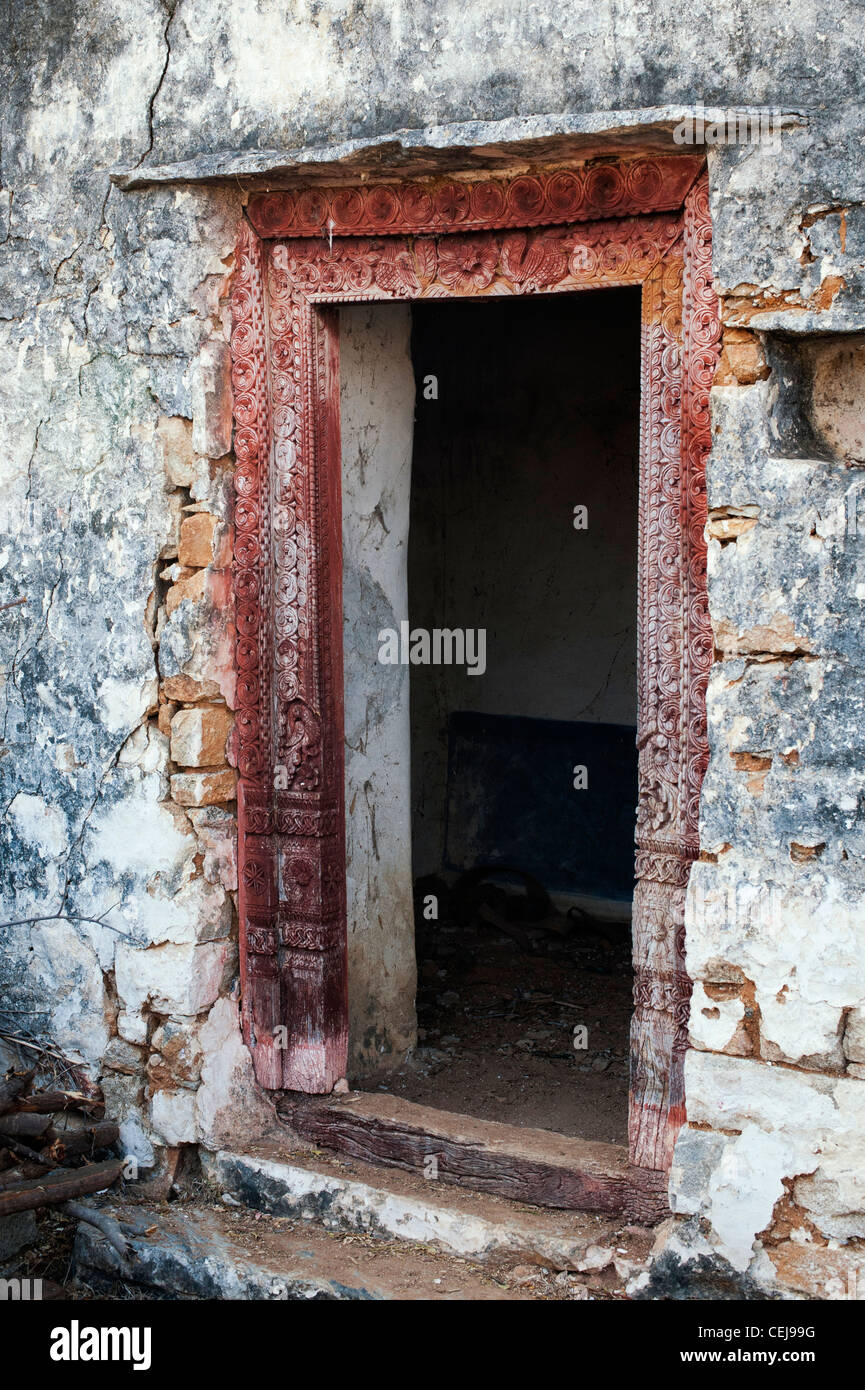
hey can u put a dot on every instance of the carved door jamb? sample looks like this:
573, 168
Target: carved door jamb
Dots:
302, 253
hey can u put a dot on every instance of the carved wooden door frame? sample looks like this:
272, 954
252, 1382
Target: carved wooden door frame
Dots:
302, 252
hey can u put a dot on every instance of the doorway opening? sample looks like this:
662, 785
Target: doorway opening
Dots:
515, 822
324, 793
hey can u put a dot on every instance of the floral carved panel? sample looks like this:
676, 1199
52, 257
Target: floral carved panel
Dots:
615, 223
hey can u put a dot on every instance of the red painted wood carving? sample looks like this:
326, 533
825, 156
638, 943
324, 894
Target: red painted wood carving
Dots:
641, 221
605, 188
681, 340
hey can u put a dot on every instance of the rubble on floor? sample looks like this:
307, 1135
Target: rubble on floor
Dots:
535, 1037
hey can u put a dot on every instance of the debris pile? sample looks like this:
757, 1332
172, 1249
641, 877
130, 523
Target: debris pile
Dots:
53, 1147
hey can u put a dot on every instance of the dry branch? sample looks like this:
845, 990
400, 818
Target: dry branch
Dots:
50, 1102
23, 1125
69, 1143
13, 1087
60, 1186
65, 1126
102, 1221
13, 1177
23, 1150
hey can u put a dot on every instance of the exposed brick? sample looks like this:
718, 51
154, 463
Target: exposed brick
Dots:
758, 765
729, 528
742, 360
204, 788
752, 762
178, 455
186, 690
818, 1271
196, 539
801, 853
166, 714
198, 736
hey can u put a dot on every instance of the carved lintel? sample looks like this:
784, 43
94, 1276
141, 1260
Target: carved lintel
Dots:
543, 197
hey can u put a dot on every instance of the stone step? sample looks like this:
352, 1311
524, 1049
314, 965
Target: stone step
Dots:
204, 1252
349, 1196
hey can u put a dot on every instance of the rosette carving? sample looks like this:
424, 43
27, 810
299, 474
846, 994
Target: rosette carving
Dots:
604, 188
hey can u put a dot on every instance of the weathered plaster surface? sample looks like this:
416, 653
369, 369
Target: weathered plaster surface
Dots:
239, 77
776, 920
113, 347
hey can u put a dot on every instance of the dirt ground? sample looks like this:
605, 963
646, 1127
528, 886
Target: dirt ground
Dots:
496, 1028
408, 1270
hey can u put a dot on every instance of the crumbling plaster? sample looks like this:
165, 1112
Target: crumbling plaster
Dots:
116, 404
112, 332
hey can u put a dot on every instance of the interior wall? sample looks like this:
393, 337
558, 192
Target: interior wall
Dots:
377, 407
471, 510
536, 413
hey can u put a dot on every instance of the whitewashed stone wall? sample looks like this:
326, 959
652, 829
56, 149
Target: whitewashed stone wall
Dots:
117, 670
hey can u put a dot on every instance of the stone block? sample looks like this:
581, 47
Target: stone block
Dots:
175, 978
191, 588
216, 833
212, 400
172, 1114
124, 1057
176, 1060
178, 456
186, 689
742, 359
204, 788
839, 382
696, 1157
196, 539
198, 736
132, 1027
854, 1036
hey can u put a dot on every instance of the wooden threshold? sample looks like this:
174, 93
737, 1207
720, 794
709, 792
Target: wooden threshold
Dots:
533, 1166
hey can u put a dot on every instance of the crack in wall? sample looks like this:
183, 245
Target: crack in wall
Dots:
172, 9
